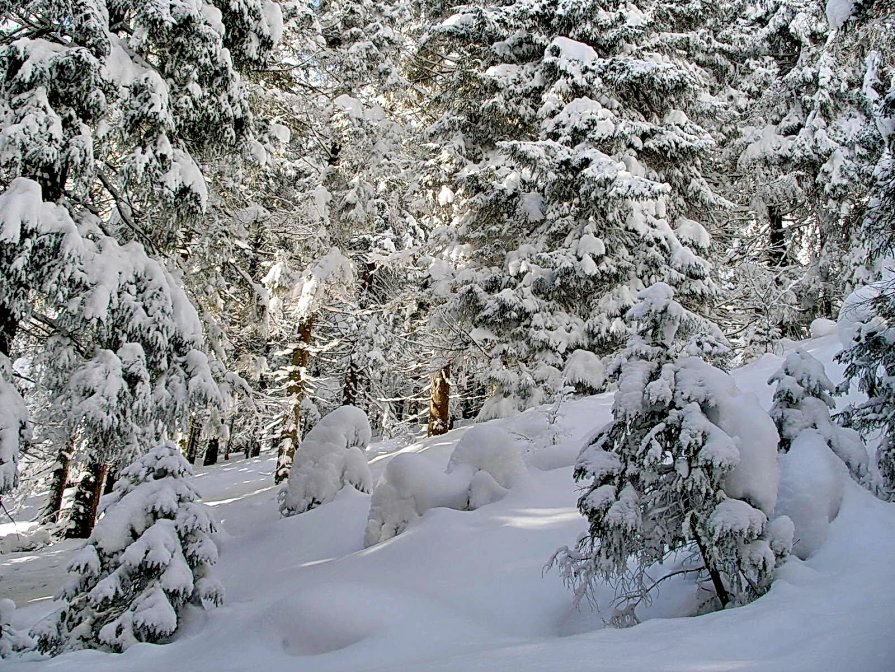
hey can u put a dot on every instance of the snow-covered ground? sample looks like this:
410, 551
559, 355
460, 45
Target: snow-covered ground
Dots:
466, 590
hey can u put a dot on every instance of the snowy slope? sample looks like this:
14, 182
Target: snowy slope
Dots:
465, 590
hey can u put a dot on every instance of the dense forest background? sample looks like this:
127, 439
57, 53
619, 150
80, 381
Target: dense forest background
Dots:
219, 221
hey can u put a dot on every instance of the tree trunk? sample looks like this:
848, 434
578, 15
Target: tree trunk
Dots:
97, 493
58, 481
229, 443
439, 403
211, 452
349, 389
111, 478
8, 328
192, 443
296, 391
83, 510
714, 574
776, 237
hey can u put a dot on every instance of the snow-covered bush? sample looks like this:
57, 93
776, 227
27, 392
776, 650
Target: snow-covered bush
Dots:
488, 457
812, 481
26, 541
330, 457
411, 485
585, 371
149, 555
686, 472
483, 466
11, 640
802, 402
867, 332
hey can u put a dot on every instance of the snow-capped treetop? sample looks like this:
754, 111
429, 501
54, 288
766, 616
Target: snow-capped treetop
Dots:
801, 376
661, 328
11, 640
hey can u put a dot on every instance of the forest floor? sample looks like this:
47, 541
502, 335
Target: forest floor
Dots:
467, 590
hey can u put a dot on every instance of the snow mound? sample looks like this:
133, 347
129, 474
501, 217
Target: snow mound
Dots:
485, 464
822, 327
811, 489
465, 591
330, 457
26, 541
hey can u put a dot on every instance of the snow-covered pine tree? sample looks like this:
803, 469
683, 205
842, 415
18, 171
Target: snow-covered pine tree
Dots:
364, 42
298, 295
106, 113
331, 177
149, 556
867, 325
866, 43
571, 145
801, 159
670, 480
866, 40
803, 399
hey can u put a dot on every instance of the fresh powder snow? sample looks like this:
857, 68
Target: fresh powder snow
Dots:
465, 589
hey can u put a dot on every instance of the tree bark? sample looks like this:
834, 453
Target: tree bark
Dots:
296, 391
192, 443
58, 481
8, 329
714, 574
229, 444
211, 452
97, 493
440, 402
349, 389
111, 478
776, 237
83, 512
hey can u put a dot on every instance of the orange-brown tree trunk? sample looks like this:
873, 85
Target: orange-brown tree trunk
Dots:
58, 481
440, 403
296, 391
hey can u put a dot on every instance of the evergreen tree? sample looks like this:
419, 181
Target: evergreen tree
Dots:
803, 399
571, 140
670, 479
802, 156
867, 45
869, 358
106, 111
13, 427
148, 557
867, 316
